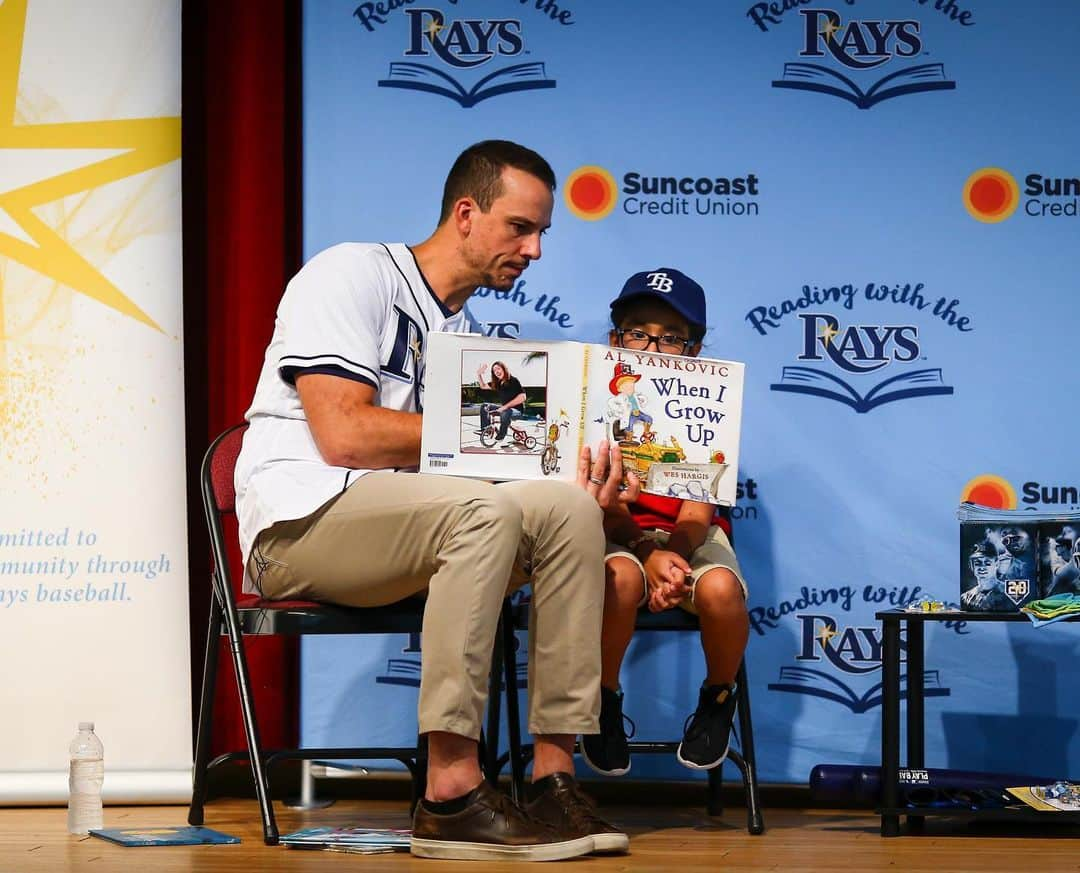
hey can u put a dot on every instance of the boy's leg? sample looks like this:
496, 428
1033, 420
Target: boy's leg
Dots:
607, 752
624, 594
719, 600
725, 624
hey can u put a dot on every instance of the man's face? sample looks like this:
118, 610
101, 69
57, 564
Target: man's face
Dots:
985, 569
499, 244
1015, 540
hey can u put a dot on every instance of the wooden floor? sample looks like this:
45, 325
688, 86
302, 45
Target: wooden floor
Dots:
682, 839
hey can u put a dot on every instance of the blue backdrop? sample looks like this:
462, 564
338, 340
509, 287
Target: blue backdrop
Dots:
880, 198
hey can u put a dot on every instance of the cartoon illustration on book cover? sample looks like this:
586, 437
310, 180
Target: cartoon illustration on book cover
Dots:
643, 446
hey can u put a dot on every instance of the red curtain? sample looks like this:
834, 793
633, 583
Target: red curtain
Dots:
241, 169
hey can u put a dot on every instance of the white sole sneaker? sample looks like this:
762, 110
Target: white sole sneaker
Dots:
597, 769
691, 765
611, 842
448, 850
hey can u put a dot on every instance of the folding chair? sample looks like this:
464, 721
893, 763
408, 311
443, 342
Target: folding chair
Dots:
669, 620
238, 616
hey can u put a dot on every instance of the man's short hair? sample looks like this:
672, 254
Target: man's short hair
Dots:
477, 173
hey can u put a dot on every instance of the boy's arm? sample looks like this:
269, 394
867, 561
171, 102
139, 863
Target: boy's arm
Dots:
621, 528
691, 527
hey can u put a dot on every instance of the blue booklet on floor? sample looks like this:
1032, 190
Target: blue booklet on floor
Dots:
164, 836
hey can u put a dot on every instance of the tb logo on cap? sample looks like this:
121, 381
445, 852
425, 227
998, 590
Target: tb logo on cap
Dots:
661, 282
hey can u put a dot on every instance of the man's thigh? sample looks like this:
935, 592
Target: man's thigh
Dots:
375, 543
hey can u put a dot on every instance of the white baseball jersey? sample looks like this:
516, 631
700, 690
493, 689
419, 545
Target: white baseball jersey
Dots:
359, 311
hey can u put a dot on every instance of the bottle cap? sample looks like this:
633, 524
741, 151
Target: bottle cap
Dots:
86, 725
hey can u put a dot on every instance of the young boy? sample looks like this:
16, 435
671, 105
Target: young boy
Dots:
665, 552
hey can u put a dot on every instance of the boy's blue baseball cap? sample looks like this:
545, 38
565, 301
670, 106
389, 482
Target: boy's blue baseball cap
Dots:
673, 287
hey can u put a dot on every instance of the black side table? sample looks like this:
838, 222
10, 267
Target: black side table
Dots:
914, 622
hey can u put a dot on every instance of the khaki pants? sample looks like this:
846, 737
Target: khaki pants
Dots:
467, 544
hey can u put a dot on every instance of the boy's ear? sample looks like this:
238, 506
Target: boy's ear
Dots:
612, 337
693, 349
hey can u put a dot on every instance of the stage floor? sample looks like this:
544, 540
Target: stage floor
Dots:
662, 839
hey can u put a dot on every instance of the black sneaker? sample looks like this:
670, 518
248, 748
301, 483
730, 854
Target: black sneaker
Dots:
607, 752
707, 731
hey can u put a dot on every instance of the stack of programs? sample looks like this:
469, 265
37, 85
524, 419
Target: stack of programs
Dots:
1009, 558
362, 841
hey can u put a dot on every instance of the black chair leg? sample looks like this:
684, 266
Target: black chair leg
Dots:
513, 714
755, 823
251, 728
714, 798
206, 712
490, 751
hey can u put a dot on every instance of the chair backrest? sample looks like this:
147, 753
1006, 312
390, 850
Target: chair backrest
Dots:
218, 467
219, 498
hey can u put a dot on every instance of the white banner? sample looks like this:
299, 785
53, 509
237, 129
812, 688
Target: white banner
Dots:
93, 569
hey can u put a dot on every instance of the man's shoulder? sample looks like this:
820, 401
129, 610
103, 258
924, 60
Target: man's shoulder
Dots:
351, 255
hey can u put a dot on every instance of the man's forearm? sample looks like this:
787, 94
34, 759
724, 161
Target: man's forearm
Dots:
377, 439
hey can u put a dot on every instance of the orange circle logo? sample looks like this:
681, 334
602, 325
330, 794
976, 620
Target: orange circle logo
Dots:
591, 193
992, 491
991, 194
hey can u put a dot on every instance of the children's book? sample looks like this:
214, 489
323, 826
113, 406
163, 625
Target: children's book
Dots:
357, 840
511, 409
1012, 557
164, 836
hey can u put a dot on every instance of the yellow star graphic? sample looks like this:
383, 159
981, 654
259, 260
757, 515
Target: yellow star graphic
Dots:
136, 145
416, 348
828, 332
825, 634
828, 30
434, 28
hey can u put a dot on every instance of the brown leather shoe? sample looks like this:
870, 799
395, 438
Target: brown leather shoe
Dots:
560, 802
491, 827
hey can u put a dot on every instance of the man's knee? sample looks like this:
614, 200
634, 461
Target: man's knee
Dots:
497, 513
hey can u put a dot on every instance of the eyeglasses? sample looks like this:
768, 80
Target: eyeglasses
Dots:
637, 340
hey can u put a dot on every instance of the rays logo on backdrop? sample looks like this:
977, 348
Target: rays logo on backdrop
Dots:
838, 659
591, 192
846, 58
845, 360
991, 195
449, 56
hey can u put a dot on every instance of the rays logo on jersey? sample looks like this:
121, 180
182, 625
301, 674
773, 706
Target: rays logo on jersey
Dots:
855, 46
449, 56
405, 363
830, 660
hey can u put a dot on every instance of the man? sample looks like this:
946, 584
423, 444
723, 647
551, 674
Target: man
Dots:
987, 594
327, 514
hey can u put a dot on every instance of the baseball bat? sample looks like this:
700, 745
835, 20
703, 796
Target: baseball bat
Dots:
857, 786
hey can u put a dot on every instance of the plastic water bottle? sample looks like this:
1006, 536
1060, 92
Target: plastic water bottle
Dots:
85, 778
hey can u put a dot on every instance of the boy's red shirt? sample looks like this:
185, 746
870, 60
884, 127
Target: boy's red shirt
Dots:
654, 512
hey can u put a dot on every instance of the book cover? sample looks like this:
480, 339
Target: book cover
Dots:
1011, 557
164, 836
359, 839
511, 409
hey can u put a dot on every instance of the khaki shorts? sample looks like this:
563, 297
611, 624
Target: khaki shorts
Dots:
715, 552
